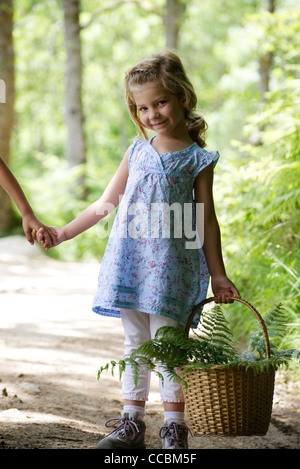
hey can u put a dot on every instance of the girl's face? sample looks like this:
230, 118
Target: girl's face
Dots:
158, 109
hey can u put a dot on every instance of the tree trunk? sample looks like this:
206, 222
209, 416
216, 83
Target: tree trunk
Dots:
171, 22
75, 145
7, 74
265, 61
265, 64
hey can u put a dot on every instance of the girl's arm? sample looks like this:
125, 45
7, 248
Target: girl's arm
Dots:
30, 222
221, 285
99, 209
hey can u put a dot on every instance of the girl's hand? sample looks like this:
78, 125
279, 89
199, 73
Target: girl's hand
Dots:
44, 241
31, 225
224, 289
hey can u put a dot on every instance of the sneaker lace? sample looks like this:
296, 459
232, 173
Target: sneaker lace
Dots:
175, 432
128, 428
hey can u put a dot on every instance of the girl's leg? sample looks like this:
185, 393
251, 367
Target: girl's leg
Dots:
136, 330
130, 434
174, 432
139, 327
171, 392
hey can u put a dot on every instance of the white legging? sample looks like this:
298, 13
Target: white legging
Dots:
139, 327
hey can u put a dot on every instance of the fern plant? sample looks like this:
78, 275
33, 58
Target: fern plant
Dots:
212, 344
276, 322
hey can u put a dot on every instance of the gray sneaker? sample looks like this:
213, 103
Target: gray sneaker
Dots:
130, 434
174, 435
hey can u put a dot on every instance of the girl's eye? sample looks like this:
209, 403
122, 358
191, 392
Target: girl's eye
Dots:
161, 103
142, 109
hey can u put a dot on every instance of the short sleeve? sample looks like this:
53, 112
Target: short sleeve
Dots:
204, 159
133, 146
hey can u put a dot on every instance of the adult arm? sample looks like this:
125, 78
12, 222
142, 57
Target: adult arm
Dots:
30, 222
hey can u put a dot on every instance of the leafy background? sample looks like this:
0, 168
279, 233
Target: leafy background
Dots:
257, 179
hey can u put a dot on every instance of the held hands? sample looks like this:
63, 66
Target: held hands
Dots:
47, 242
223, 289
31, 225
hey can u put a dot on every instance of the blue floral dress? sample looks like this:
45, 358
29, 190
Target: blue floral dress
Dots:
147, 265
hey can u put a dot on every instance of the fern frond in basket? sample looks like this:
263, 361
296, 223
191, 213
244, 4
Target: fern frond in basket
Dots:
214, 329
212, 344
173, 348
276, 321
134, 362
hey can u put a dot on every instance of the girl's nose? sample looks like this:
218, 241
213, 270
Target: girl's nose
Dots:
153, 113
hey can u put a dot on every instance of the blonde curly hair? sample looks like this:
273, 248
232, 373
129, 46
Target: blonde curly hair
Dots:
168, 69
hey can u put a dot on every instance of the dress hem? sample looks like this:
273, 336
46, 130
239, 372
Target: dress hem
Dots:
115, 313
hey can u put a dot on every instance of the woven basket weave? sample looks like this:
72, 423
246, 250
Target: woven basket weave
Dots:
231, 401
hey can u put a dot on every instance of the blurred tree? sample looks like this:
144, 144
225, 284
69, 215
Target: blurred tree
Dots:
174, 9
265, 216
265, 66
6, 109
221, 43
265, 60
75, 146
170, 15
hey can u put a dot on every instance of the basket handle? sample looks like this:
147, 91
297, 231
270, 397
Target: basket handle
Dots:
255, 312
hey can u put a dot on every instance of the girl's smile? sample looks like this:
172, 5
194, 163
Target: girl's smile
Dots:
158, 109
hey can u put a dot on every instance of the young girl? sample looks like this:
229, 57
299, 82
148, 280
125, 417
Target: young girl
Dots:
150, 275
31, 224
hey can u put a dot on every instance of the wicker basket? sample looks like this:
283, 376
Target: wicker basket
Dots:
231, 401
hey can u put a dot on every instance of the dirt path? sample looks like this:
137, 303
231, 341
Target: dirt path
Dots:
51, 346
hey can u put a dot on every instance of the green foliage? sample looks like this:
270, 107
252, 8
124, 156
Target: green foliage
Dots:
256, 180
260, 217
213, 345
276, 321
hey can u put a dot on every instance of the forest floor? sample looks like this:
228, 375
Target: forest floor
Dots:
51, 347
